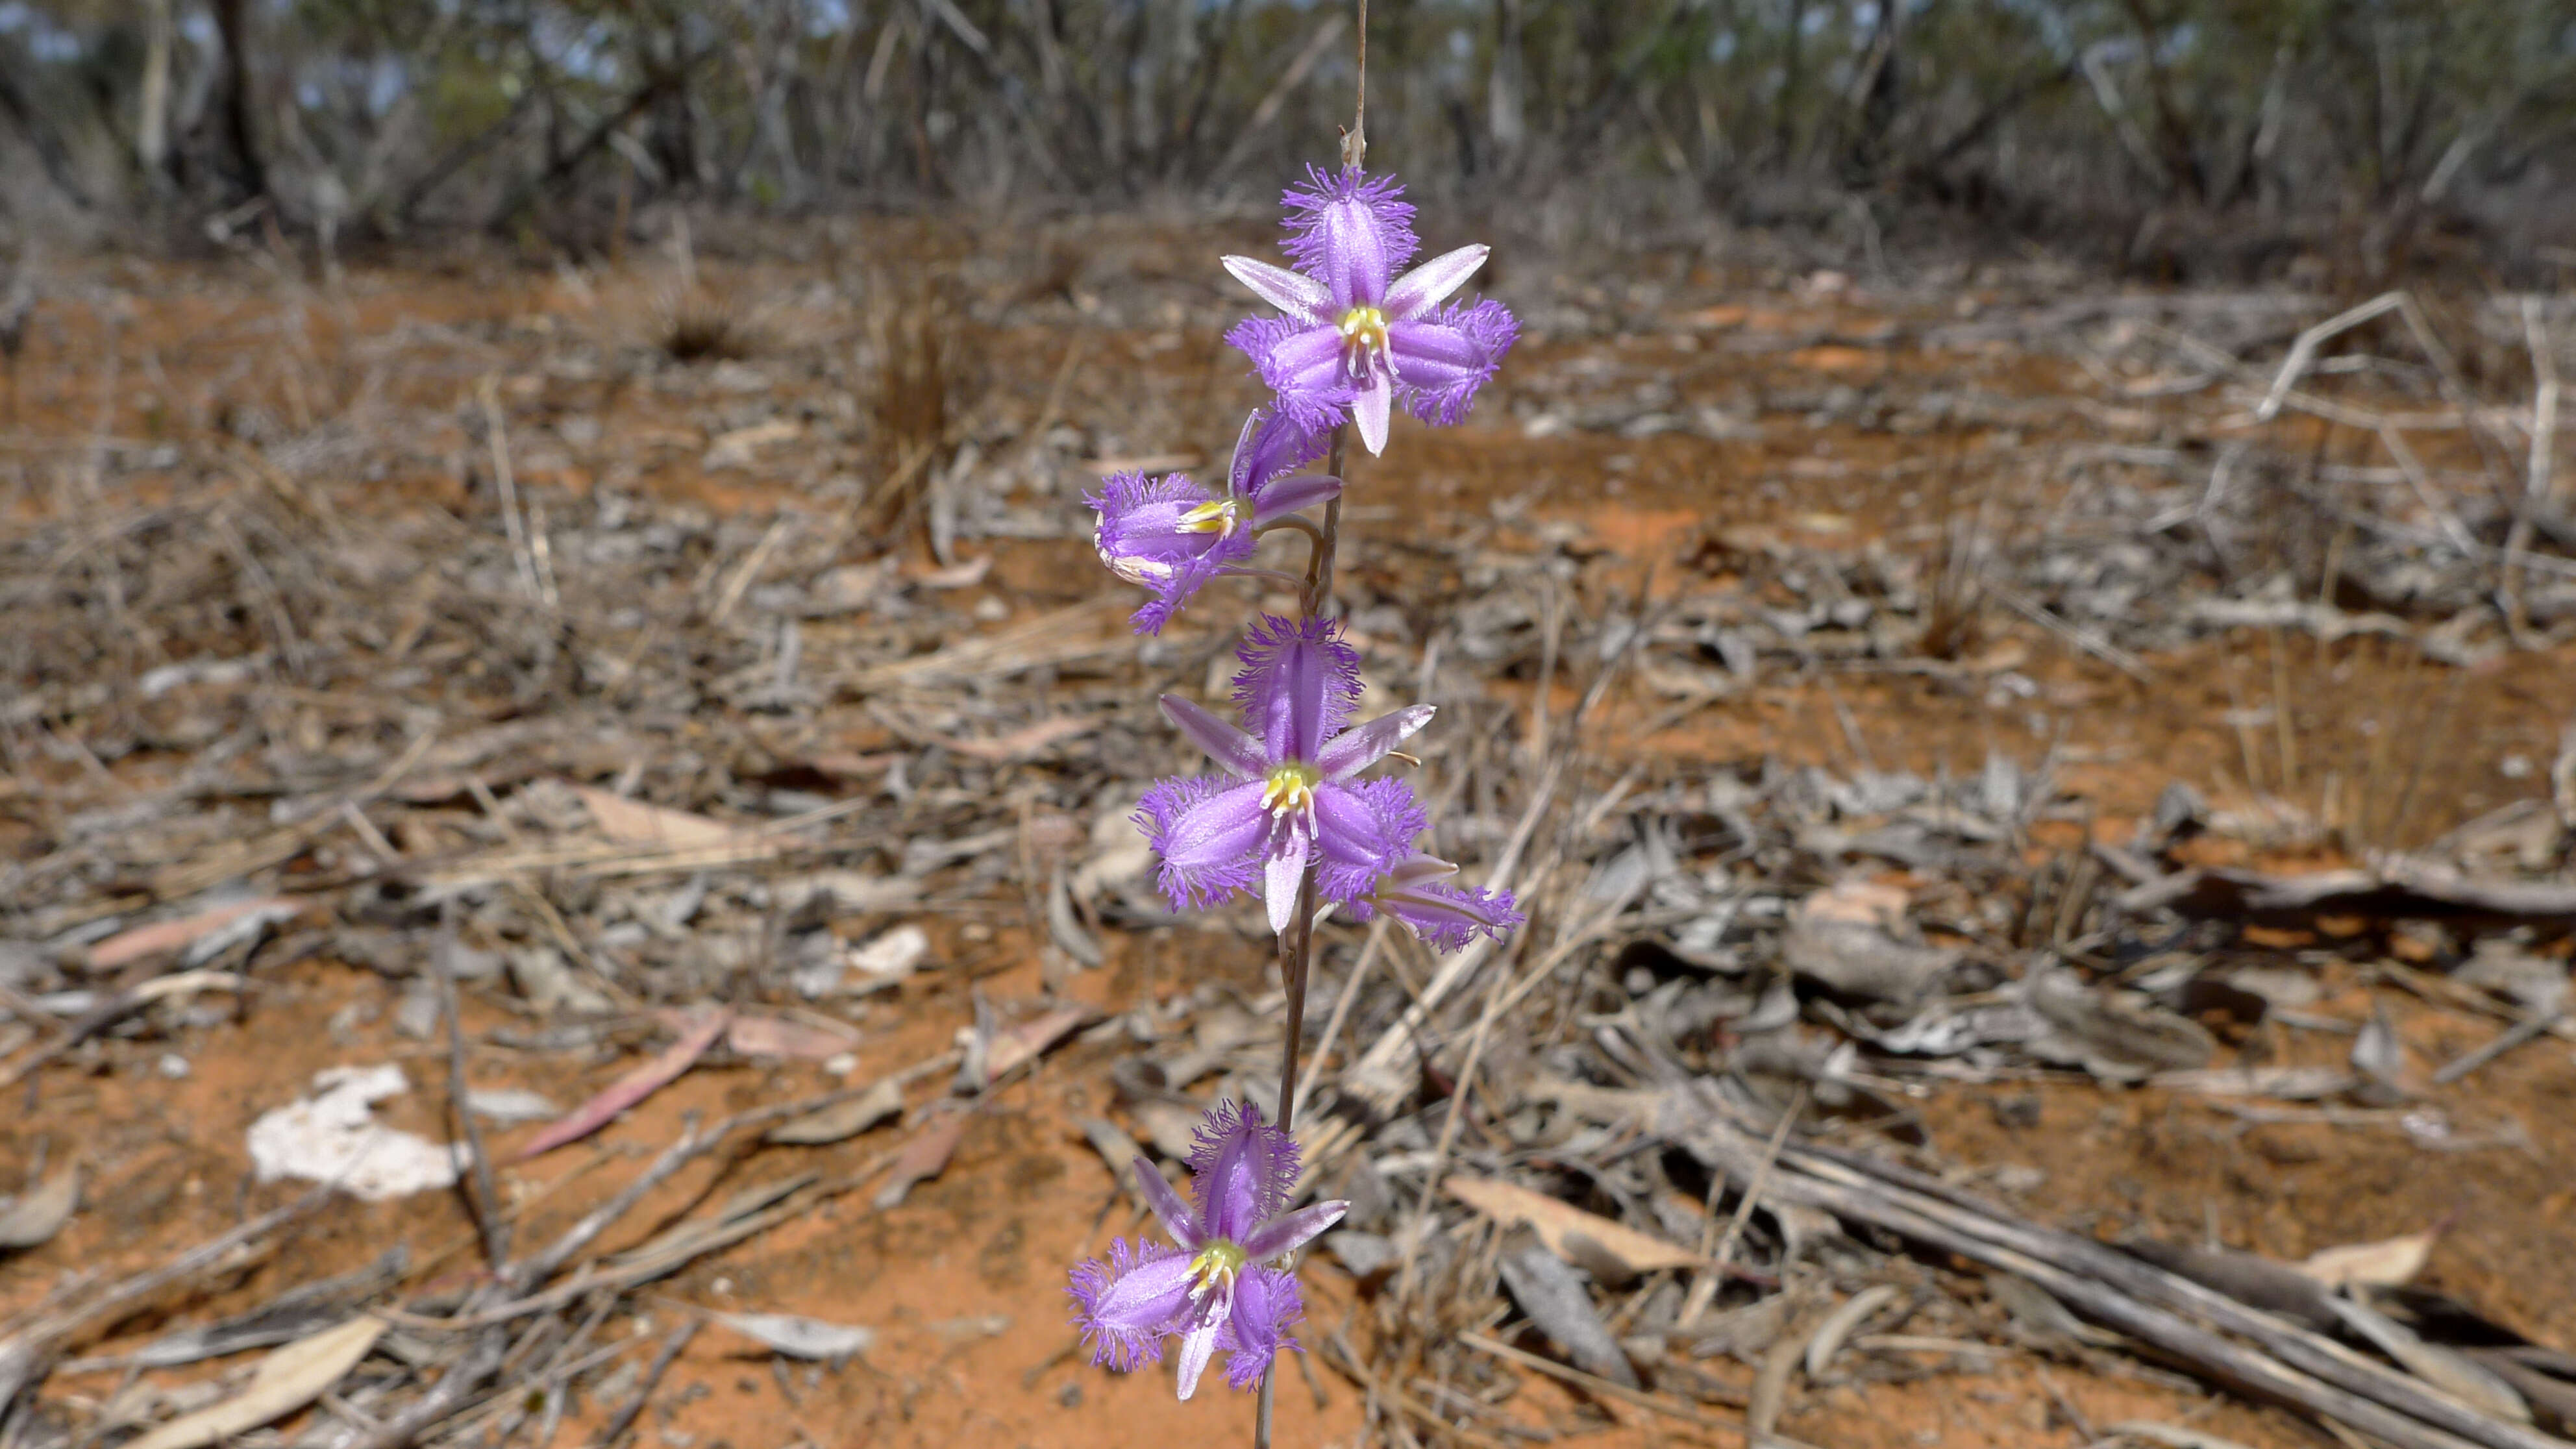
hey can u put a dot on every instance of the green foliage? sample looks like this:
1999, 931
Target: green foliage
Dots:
498, 111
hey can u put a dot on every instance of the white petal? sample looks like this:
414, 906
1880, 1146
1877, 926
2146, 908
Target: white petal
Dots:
1424, 286
1291, 292
1370, 407
1281, 879
1197, 1347
1360, 746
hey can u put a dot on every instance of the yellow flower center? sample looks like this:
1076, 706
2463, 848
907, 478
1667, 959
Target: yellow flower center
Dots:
1216, 518
1215, 1266
1363, 336
1291, 787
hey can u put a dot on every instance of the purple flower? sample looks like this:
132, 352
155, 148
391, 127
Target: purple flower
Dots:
1354, 335
1291, 794
1418, 893
1216, 1290
1273, 444
1172, 536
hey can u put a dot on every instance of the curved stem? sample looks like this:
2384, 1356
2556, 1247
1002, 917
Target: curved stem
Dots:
1291, 580
1296, 521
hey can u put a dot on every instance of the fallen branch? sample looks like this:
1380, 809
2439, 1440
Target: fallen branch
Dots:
2393, 891
2287, 1364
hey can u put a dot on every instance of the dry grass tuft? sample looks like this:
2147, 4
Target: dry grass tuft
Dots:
699, 325
919, 338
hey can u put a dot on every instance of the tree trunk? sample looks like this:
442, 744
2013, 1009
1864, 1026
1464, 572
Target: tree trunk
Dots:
152, 118
1784, 123
232, 22
1506, 103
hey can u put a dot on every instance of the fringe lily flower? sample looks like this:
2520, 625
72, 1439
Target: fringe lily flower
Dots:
1216, 1289
1171, 535
1291, 796
1352, 335
1446, 916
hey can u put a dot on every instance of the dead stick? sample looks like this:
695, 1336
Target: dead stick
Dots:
1600, 1387
22, 1355
2144, 1281
485, 1198
671, 1346
536, 1270
1704, 1287
448, 1396
2146, 1302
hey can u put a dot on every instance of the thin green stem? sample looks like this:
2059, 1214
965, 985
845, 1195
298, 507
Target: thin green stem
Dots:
1296, 521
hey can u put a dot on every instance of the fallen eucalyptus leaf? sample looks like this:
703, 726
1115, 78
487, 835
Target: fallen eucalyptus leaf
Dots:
842, 1120
631, 1088
35, 1218
1850, 939
2114, 1035
924, 1156
1840, 1323
809, 1338
1555, 1298
287, 1380
1612, 1252
2388, 1263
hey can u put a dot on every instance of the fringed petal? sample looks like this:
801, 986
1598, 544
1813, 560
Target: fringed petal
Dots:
1365, 828
1243, 1169
1444, 916
1348, 231
1301, 364
1297, 684
1442, 359
1267, 1304
1127, 1306
1212, 834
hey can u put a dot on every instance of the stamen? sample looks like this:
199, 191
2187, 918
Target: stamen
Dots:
1291, 788
1213, 1270
1217, 518
1363, 332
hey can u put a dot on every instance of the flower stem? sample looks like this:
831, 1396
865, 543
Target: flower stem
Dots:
1297, 521
1319, 562
1316, 597
1355, 140
1294, 958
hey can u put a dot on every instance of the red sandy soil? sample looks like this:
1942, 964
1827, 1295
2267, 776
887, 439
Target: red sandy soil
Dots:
965, 1280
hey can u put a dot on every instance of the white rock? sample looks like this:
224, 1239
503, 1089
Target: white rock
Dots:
333, 1137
